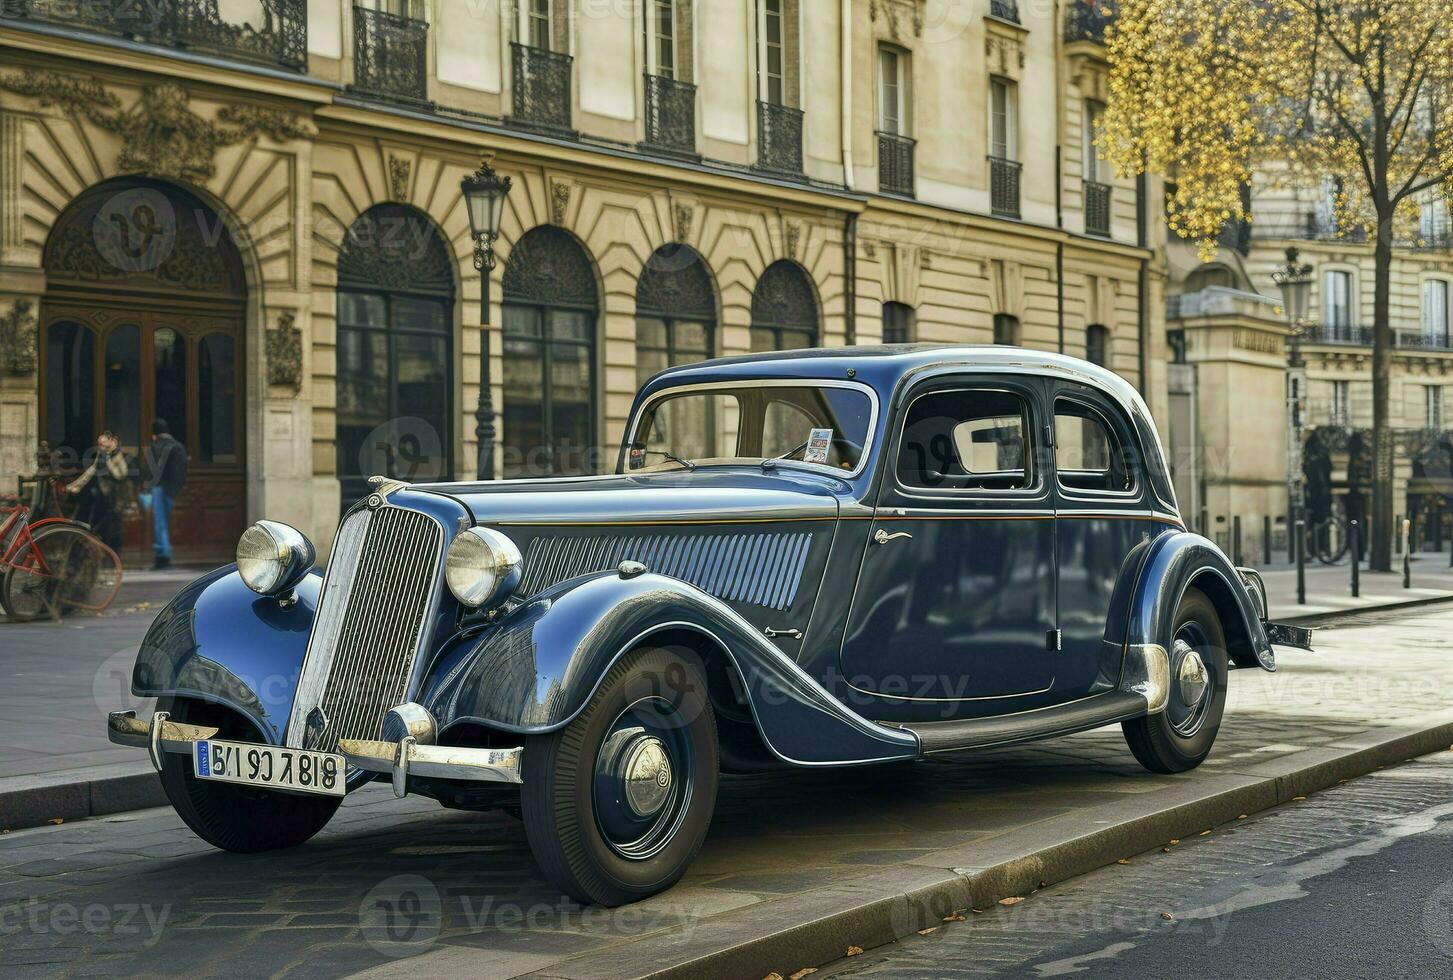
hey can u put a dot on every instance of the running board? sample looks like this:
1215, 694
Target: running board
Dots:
1061, 719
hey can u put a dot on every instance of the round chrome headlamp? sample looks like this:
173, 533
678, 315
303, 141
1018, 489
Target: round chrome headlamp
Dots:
272, 557
482, 566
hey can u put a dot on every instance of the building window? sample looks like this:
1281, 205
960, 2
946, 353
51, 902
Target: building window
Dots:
675, 311
1090, 153
1341, 403
1435, 312
538, 24
774, 52
661, 37
550, 308
1097, 344
897, 323
1433, 406
1433, 222
1006, 329
784, 309
890, 91
1003, 119
1337, 302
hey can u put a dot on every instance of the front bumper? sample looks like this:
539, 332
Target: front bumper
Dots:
157, 735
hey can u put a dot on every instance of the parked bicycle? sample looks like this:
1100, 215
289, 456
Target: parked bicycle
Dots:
1328, 540
53, 566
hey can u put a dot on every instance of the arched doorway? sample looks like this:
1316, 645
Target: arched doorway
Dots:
143, 319
395, 350
551, 301
676, 324
784, 309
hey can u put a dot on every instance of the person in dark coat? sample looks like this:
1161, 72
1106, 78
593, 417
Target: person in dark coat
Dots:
168, 475
104, 489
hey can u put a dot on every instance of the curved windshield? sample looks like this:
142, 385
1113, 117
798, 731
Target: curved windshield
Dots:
824, 425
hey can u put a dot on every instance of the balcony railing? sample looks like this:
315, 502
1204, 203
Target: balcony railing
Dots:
1005, 9
1327, 227
670, 115
390, 55
1333, 333
779, 139
895, 164
542, 89
1097, 209
1086, 20
1004, 187
273, 33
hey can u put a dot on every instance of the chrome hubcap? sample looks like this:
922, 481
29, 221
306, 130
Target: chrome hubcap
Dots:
642, 779
1192, 674
1193, 687
646, 773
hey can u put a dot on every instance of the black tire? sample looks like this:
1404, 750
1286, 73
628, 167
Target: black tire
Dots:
577, 817
230, 817
1180, 737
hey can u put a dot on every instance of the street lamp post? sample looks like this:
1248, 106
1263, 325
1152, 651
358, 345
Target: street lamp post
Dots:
484, 199
1294, 279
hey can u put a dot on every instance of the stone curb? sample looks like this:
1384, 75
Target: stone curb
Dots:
816, 928
70, 794
1331, 615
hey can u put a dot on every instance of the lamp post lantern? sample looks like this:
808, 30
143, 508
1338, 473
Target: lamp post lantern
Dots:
484, 199
1294, 279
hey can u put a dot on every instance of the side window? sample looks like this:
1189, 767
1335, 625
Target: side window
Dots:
1088, 452
967, 439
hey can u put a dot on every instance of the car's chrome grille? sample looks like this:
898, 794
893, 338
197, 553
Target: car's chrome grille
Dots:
761, 568
369, 627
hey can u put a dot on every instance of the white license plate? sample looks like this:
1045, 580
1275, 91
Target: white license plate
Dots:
298, 770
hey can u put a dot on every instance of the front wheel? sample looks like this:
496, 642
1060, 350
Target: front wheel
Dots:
1180, 737
617, 803
229, 816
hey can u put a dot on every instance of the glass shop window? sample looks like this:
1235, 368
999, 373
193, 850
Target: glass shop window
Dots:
967, 439
1088, 455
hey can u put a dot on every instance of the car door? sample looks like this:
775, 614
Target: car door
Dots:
1102, 513
955, 600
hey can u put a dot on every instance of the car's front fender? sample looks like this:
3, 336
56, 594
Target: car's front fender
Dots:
219, 641
1176, 561
536, 669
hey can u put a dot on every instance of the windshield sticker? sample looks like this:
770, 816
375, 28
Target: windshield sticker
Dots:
818, 442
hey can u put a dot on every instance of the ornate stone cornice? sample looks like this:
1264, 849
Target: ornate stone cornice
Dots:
17, 339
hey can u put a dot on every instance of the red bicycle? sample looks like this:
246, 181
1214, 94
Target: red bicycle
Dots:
53, 566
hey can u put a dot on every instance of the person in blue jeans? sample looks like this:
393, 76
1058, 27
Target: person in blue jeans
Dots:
168, 473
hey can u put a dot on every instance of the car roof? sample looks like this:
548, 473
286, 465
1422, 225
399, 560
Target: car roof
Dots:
884, 365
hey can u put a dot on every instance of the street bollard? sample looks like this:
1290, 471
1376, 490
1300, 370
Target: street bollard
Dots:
1353, 544
1266, 540
1402, 542
1236, 540
1407, 558
1299, 549
1205, 523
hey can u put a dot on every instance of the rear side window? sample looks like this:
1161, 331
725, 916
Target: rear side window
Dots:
1088, 453
967, 439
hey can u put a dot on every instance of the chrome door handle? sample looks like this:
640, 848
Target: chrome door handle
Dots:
772, 634
883, 537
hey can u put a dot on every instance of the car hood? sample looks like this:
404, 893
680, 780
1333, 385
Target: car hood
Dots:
728, 494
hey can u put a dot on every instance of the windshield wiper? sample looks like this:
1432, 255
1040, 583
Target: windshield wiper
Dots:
770, 463
686, 463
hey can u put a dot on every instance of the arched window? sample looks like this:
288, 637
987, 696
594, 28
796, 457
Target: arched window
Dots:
897, 323
550, 306
395, 350
1006, 329
1214, 274
675, 311
1097, 344
784, 309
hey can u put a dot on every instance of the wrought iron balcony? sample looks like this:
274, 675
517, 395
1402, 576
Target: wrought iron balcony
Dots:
390, 55
1086, 20
1333, 333
1097, 209
779, 139
1004, 187
542, 89
895, 164
275, 33
1005, 10
670, 115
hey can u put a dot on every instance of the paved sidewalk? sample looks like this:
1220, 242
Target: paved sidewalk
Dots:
798, 866
1329, 587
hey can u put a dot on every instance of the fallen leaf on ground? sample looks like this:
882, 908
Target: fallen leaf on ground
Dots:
57, 821
1011, 900
1298, 797
855, 950
1167, 916
956, 917
1241, 817
806, 970
1165, 850
924, 932
1175, 840
773, 976
1203, 833
1123, 861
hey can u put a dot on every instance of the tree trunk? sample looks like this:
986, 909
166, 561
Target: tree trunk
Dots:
1378, 532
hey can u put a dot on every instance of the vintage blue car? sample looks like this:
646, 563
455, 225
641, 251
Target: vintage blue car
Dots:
815, 558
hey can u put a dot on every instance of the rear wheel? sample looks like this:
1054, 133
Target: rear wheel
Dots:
1181, 736
67, 570
617, 803
232, 817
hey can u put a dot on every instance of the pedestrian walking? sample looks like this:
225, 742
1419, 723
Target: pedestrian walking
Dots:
168, 473
104, 490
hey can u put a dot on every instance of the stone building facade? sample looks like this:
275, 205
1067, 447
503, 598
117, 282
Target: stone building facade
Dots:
246, 217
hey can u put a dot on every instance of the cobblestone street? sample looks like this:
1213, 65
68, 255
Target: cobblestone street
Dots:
406, 886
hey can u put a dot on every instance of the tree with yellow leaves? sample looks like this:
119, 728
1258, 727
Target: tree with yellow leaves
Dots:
1361, 91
